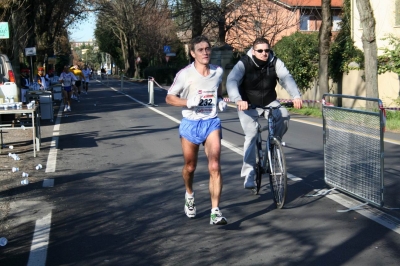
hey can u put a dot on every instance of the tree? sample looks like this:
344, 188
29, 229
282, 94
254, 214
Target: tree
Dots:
259, 18
370, 49
300, 59
141, 28
343, 50
324, 46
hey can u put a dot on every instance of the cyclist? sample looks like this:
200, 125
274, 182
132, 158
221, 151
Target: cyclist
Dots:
252, 81
197, 88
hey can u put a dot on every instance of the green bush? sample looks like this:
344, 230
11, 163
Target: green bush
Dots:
299, 52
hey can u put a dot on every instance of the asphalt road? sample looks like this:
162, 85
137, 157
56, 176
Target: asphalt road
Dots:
118, 196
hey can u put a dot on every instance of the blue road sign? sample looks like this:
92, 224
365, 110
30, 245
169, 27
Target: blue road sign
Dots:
167, 49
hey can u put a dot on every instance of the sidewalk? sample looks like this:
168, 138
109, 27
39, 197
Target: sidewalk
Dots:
10, 182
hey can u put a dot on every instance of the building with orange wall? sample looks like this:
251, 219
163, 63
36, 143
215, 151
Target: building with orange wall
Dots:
274, 19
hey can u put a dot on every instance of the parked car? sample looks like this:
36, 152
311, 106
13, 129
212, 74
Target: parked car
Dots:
6, 70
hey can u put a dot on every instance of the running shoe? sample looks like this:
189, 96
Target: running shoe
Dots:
217, 218
66, 108
69, 108
190, 206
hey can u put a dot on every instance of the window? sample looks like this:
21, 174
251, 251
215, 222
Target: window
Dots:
309, 23
336, 20
397, 13
304, 19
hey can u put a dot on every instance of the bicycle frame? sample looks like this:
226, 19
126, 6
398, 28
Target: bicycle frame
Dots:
271, 160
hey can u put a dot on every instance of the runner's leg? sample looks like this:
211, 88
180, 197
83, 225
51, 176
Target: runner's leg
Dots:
190, 155
212, 148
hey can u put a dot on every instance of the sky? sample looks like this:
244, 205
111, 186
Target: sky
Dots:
83, 31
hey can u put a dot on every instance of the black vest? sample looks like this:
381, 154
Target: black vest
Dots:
258, 85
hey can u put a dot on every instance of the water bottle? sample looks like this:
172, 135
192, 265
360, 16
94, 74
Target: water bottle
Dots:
25, 181
15, 169
3, 241
25, 174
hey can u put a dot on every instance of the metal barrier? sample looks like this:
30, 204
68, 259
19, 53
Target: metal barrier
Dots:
353, 149
151, 91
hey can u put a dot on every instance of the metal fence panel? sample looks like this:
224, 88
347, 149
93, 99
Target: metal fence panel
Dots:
353, 151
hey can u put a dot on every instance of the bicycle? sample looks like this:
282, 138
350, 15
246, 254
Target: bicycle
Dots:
271, 161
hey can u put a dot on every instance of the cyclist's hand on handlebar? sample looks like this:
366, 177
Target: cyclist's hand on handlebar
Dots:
242, 105
298, 103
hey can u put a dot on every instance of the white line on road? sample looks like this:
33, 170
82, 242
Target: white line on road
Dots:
374, 214
40, 242
52, 157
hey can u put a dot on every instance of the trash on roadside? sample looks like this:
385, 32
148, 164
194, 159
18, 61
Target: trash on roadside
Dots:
14, 156
25, 181
15, 169
25, 174
39, 166
11, 147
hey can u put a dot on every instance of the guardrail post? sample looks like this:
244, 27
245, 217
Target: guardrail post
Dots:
151, 90
122, 81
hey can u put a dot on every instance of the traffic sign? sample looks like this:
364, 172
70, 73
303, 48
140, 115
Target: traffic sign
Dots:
167, 49
4, 32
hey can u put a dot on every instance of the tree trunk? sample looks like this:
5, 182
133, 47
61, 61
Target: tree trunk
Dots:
324, 44
197, 26
370, 50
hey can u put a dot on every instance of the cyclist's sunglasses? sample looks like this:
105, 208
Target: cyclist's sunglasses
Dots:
261, 50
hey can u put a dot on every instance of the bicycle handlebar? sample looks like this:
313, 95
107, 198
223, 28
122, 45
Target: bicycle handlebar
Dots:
287, 104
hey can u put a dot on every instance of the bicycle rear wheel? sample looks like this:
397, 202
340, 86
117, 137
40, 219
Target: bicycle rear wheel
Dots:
278, 174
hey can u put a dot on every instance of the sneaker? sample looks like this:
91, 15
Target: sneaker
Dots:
66, 108
69, 108
190, 206
249, 183
217, 218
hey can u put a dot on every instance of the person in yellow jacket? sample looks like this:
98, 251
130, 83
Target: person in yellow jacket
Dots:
79, 76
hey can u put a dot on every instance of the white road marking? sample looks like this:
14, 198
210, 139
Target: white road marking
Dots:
52, 157
374, 214
40, 242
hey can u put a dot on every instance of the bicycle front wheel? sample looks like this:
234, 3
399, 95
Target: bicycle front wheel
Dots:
278, 174
258, 168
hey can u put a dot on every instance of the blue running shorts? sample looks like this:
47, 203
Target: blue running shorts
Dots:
197, 131
67, 88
